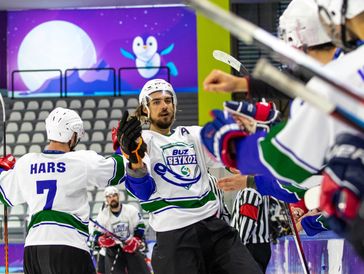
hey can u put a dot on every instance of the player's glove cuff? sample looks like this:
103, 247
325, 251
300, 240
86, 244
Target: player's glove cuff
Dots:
137, 173
262, 114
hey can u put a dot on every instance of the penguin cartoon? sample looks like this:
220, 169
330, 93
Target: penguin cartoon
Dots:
146, 55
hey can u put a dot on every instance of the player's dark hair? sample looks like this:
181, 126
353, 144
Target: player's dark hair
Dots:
141, 114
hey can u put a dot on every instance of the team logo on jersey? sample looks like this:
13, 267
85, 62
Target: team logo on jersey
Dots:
180, 165
121, 229
185, 171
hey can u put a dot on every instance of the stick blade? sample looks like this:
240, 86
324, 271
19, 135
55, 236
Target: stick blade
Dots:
227, 59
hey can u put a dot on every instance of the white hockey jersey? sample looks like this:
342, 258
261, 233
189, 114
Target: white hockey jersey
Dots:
309, 133
54, 185
122, 225
179, 166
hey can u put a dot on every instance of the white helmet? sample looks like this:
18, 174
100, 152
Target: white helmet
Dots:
110, 190
334, 9
153, 86
334, 13
300, 25
61, 123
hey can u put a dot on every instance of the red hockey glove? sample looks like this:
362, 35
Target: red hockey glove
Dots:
343, 186
106, 241
219, 135
7, 162
132, 245
261, 115
114, 137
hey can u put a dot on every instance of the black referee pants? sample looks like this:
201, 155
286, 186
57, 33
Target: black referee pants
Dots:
210, 246
57, 259
261, 253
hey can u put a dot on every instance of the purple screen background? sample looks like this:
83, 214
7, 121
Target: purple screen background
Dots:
112, 29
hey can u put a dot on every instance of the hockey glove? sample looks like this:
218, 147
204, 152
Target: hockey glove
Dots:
114, 137
132, 245
7, 162
106, 241
260, 115
343, 186
218, 137
129, 136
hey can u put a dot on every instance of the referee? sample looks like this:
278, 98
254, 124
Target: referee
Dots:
250, 216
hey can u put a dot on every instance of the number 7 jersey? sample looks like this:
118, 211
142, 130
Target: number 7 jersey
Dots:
54, 185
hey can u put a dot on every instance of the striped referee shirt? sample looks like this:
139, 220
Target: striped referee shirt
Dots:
250, 216
223, 212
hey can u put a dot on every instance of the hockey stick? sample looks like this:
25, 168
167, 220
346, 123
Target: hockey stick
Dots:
294, 88
116, 237
296, 237
231, 61
6, 233
115, 259
280, 51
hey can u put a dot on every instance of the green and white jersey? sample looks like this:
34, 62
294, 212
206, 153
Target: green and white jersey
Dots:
54, 185
179, 164
124, 224
295, 150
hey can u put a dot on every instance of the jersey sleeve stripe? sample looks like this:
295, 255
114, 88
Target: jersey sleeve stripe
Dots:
293, 156
292, 189
280, 164
281, 167
119, 170
4, 199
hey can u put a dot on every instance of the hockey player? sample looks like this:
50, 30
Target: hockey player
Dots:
311, 222
299, 29
54, 185
126, 222
302, 31
172, 183
294, 151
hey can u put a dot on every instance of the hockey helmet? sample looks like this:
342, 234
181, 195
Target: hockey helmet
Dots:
110, 190
153, 86
334, 13
61, 123
335, 9
300, 25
